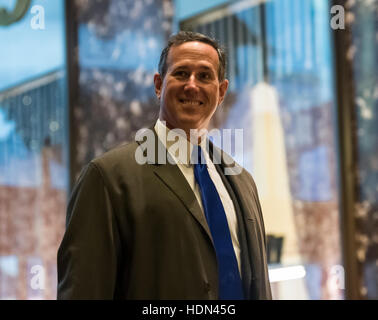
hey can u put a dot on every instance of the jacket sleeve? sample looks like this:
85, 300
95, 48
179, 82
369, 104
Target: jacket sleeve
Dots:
89, 252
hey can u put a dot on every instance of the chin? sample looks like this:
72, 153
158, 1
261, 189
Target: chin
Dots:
189, 123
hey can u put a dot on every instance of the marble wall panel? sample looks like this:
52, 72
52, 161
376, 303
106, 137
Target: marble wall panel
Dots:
119, 45
362, 23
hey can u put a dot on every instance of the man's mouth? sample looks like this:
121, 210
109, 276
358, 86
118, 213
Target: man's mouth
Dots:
191, 102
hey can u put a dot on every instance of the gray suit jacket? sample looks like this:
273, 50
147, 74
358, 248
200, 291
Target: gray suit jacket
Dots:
137, 232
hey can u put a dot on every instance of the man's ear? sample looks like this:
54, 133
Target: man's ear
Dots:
158, 82
222, 90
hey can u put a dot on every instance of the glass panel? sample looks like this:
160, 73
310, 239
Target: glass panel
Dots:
33, 148
300, 70
289, 135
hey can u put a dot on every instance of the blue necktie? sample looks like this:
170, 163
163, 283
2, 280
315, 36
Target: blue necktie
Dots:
230, 285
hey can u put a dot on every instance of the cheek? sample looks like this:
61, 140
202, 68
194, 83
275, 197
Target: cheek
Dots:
214, 95
169, 91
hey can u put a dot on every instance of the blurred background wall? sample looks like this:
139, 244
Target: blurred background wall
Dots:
76, 79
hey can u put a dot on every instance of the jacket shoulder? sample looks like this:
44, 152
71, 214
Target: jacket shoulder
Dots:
117, 163
123, 152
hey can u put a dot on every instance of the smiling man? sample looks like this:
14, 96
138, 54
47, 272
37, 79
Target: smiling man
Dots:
189, 85
177, 230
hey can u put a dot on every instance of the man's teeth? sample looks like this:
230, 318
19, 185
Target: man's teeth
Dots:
193, 102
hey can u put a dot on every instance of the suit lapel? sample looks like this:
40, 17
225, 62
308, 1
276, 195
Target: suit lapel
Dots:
173, 178
254, 242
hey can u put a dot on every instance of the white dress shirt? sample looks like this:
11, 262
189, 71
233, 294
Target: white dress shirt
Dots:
187, 169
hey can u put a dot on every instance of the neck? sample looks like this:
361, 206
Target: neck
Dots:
193, 135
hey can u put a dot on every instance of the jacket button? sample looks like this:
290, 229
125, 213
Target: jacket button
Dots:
207, 287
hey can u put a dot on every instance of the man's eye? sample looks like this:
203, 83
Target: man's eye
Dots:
181, 74
205, 76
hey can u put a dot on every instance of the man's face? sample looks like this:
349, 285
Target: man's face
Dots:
190, 91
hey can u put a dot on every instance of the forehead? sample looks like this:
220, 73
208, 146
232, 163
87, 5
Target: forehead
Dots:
193, 52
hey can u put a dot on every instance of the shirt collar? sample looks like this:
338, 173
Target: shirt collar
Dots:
177, 145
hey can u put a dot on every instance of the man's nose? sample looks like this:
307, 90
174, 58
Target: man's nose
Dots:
191, 84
